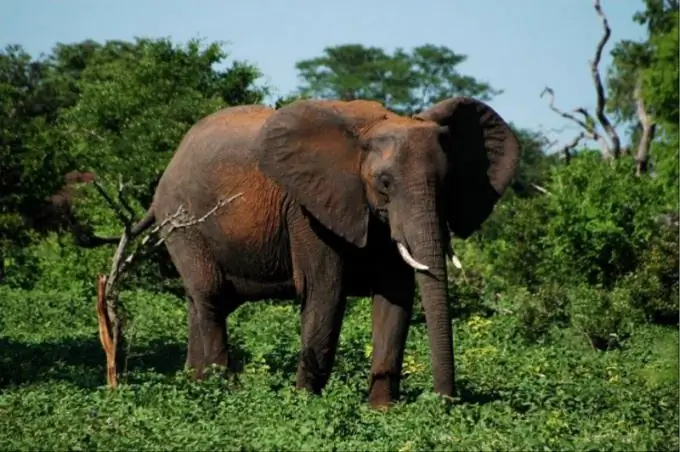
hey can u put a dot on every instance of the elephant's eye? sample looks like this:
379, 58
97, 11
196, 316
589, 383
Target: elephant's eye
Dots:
385, 182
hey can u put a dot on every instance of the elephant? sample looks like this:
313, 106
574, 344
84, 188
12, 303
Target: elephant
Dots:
338, 199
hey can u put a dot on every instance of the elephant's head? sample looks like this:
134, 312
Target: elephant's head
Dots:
437, 172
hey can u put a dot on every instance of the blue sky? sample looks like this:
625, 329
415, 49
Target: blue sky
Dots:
519, 46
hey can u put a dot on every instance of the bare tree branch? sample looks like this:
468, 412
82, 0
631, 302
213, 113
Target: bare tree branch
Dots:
587, 126
551, 104
125, 220
599, 89
567, 148
648, 130
108, 304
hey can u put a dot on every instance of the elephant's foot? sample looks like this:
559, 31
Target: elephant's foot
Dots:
384, 391
310, 375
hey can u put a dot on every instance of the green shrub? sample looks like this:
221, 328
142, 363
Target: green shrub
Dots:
511, 240
601, 217
654, 285
597, 231
57, 263
540, 310
605, 317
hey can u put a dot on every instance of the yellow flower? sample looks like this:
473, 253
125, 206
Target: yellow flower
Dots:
411, 366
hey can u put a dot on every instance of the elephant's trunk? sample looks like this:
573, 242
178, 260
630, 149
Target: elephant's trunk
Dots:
425, 242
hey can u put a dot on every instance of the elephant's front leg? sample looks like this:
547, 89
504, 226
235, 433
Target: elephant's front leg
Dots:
321, 321
318, 275
393, 294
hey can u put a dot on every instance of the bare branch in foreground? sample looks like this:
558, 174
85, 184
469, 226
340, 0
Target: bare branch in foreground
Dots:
108, 303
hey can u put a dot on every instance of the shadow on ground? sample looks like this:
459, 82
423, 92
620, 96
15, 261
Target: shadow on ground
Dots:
466, 393
81, 361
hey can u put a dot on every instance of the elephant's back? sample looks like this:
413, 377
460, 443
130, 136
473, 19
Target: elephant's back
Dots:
224, 136
219, 141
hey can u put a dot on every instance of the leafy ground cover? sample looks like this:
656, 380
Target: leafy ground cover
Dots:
558, 394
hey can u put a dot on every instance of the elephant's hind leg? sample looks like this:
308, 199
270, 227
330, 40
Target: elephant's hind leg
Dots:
207, 304
195, 346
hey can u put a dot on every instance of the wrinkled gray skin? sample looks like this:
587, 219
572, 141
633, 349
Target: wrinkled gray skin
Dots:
338, 199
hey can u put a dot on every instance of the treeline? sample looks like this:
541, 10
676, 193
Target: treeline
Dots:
585, 239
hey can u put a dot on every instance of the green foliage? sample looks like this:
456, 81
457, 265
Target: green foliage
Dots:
654, 284
660, 79
138, 99
405, 82
605, 317
601, 218
30, 169
513, 237
558, 395
593, 253
534, 165
117, 108
56, 263
652, 64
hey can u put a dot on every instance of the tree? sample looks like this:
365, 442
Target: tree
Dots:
609, 141
31, 169
100, 110
643, 78
404, 82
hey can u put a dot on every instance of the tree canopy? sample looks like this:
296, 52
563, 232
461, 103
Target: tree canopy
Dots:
406, 82
110, 108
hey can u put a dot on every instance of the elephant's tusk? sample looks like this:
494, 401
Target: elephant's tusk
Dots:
403, 251
454, 258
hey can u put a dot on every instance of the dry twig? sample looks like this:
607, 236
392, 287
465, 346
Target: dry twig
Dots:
108, 305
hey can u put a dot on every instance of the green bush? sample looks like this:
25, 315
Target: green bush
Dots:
512, 241
594, 252
654, 285
606, 318
600, 218
56, 263
540, 310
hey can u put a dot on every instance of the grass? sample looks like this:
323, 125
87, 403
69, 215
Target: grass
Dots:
556, 395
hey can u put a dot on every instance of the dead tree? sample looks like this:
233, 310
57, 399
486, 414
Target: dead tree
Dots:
111, 323
612, 148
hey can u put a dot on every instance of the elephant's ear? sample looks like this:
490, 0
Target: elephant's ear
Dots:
311, 149
483, 154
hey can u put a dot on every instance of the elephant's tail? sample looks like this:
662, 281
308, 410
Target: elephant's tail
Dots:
143, 224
